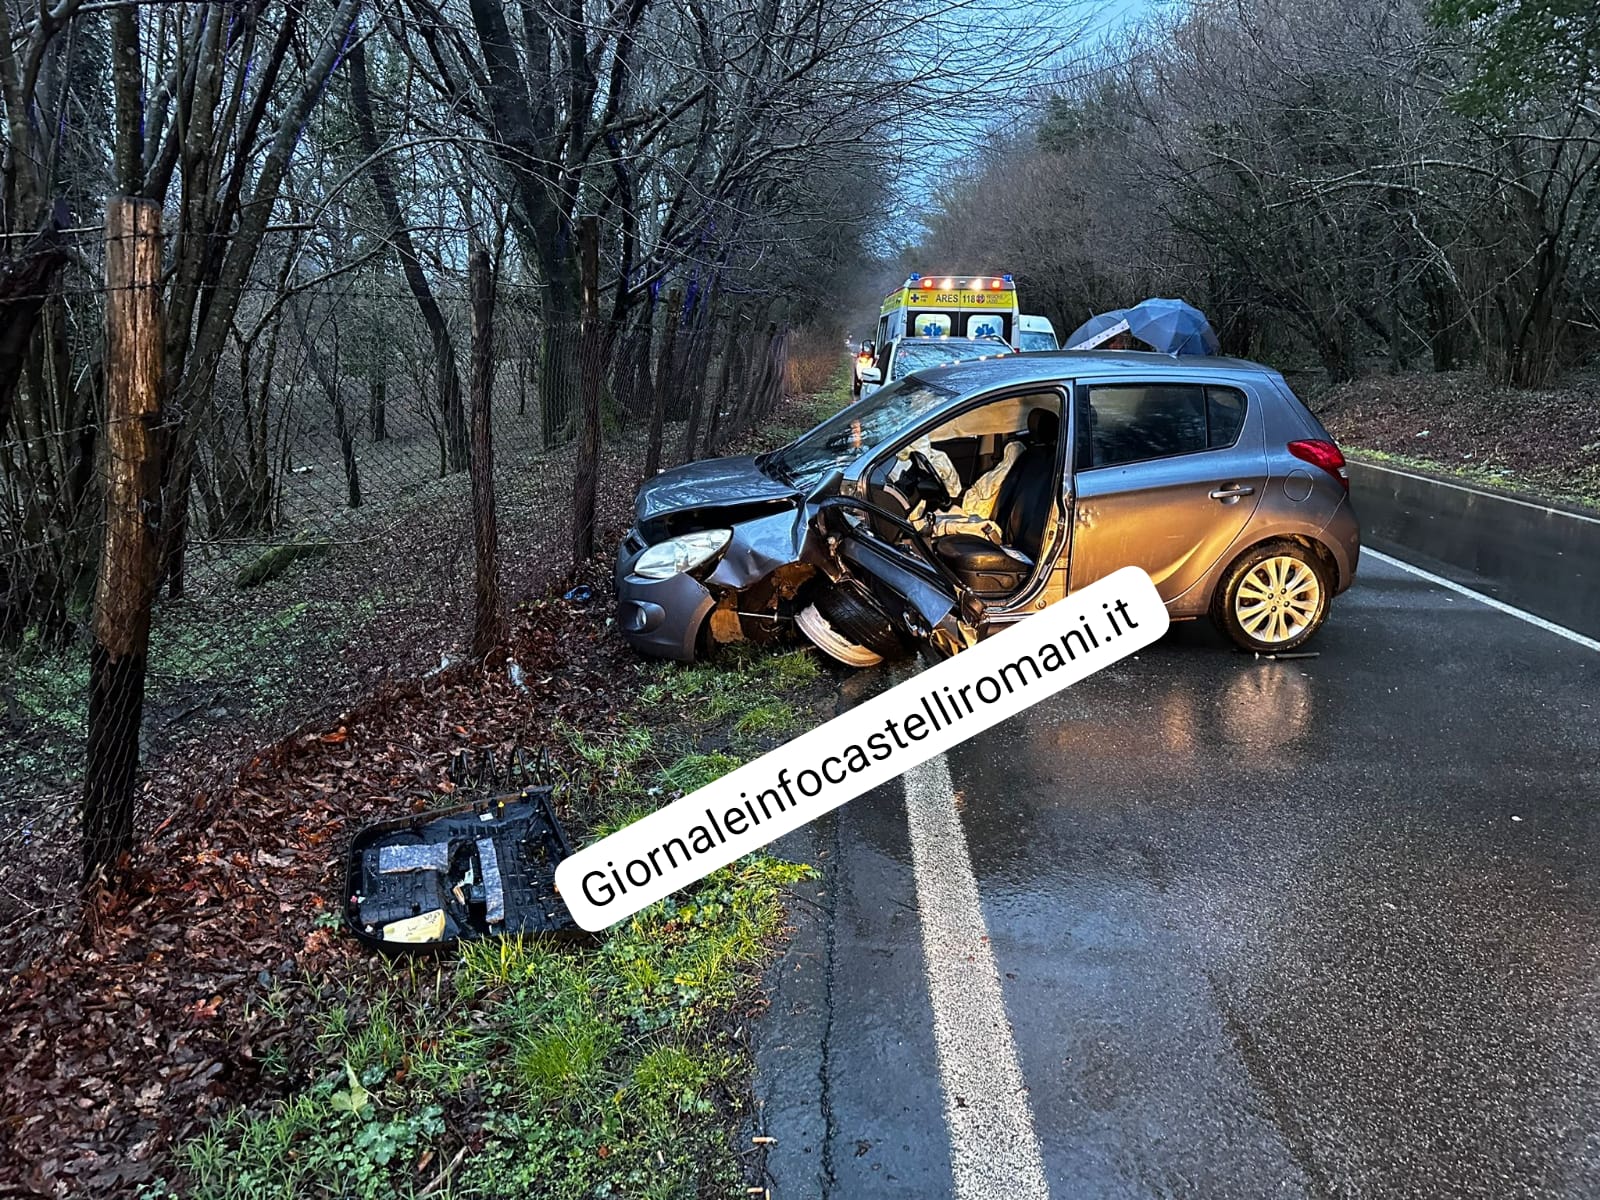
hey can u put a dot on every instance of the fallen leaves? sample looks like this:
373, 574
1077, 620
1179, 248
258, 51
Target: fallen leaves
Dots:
132, 1032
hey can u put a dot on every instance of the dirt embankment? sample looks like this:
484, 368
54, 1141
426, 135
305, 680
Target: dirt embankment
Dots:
1545, 441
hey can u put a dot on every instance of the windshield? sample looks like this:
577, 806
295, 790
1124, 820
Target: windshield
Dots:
909, 358
844, 437
1038, 341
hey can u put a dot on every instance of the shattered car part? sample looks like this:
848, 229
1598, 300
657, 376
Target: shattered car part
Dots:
494, 894
430, 856
433, 879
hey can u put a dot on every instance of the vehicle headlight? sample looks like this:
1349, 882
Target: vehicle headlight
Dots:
677, 555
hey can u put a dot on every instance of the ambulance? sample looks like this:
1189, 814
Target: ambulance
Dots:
967, 306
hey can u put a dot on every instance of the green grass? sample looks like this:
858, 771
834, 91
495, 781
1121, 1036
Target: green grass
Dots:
802, 414
1580, 487
47, 692
749, 684
694, 771
604, 1070
254, 664
599, 1071
772, 717
612, 760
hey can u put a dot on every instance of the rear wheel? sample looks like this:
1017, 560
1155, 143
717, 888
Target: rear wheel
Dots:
845, 623
1274, 597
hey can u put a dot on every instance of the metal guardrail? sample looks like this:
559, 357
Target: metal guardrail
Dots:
1541, 557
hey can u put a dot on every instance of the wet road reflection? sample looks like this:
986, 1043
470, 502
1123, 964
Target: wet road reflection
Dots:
1274, 929
1315, 927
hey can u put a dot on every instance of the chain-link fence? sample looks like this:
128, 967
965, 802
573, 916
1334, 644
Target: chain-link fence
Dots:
305, 529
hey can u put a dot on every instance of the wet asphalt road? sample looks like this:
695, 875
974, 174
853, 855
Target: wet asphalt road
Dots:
1325, 927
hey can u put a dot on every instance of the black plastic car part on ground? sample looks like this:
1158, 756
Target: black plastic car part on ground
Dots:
431, 880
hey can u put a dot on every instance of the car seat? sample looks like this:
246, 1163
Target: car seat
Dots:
1022, 512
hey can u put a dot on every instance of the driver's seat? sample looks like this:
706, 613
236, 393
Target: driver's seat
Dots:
1022, 511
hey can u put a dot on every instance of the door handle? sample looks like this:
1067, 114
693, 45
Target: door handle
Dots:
1233, 491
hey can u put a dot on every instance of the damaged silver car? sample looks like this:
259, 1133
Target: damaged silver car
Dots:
958, 500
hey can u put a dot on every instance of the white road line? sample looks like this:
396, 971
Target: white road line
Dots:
1571, 635
994, 1149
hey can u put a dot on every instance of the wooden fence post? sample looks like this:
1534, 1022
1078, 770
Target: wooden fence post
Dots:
488, 624
590, 368
131, 541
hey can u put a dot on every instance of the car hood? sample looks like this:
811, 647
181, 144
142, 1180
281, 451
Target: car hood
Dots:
712, 483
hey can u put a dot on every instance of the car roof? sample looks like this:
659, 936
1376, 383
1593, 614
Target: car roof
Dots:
1052, 365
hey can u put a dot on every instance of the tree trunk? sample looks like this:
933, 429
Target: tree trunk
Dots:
488, 625
590, 355
558, 371
730, 349
125, 590
757, 380
451, 409
658, 398
696, 365
25, 282
341, 424
377, 405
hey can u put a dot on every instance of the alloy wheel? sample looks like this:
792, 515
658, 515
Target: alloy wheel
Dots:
1278, 599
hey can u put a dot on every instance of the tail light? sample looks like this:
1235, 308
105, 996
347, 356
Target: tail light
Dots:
1325, 455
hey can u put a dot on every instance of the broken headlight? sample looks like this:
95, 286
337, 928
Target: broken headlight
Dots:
677, 555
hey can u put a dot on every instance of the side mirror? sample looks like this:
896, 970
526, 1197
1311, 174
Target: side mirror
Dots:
871, 375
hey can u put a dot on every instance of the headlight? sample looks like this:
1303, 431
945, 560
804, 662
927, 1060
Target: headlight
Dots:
677, 555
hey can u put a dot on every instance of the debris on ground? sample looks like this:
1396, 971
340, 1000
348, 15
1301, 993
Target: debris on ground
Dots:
486, 869
133, 1031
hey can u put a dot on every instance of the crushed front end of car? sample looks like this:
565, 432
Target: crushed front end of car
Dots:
716, 555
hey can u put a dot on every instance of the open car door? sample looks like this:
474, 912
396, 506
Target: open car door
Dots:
913, 561
901, 584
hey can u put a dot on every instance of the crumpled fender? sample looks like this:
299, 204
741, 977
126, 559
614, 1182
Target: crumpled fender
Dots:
759, 547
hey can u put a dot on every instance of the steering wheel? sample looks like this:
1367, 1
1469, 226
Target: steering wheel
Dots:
927, 481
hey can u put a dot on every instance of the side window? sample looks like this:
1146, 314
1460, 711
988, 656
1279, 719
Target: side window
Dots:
1133, 422
1224, 415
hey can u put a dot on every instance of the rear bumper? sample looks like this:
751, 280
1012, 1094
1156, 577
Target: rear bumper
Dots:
1342, 536
660, 617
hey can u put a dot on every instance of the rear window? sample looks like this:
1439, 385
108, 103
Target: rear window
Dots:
930, 324
917, 358
985, 325
1128, 423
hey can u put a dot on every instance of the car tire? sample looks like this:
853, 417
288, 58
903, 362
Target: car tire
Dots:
845, 623
1273, 597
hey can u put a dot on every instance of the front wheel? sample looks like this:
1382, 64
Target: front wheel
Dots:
847, 624
1273, 598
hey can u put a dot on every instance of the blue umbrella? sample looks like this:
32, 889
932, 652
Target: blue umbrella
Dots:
1172, 327
1107, 323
